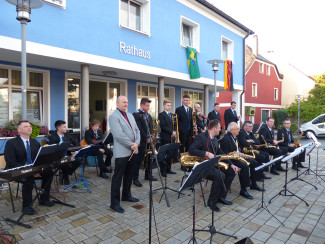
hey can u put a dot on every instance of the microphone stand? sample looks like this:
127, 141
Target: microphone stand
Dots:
152, 157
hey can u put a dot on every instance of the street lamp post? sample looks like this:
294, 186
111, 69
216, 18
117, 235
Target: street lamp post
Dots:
215, 64
299, 98
23, 8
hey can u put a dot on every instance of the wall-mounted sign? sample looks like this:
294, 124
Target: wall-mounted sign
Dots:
134, 51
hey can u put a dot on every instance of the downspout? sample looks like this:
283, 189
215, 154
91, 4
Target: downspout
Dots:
244, 76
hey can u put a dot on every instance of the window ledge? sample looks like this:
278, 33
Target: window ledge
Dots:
197, 50
140, 32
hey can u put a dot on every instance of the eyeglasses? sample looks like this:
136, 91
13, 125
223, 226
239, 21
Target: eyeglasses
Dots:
250, 126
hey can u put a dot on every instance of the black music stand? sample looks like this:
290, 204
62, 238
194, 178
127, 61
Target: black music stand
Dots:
262, 205
285, 191
46, 156
83, 153
198, 173
166, 152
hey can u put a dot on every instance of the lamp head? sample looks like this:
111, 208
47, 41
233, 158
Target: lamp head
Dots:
23, 8
215, 63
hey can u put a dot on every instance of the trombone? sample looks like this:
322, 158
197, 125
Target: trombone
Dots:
176, 138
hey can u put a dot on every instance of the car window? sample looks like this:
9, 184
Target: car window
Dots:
320, 119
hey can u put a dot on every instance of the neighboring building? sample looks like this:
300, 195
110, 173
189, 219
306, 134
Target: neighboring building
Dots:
81, 55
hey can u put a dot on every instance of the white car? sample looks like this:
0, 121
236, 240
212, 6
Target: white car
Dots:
316, 126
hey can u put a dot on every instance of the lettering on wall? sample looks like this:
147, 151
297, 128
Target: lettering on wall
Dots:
134, 51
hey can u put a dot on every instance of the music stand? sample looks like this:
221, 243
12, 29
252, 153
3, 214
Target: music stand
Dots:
198, 173
285, 190
83, 153
47, 155
166, 152
262, 205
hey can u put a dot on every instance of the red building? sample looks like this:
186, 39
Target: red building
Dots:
262, 93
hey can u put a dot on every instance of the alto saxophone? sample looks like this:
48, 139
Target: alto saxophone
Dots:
296, 142
250, 149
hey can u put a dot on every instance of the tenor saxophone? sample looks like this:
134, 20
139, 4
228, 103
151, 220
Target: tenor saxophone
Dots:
250, 149
296, 142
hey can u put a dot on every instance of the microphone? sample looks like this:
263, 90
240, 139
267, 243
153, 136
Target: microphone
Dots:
201, 115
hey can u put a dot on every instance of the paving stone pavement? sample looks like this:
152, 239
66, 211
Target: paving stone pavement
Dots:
92, 221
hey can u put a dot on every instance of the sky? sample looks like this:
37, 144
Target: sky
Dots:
292, 30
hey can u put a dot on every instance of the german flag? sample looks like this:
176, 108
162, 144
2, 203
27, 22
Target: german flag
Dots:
228, 83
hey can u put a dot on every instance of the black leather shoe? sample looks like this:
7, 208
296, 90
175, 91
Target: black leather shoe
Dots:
301, 166
107, 170
171, 172
265, 177
117, 208
103, 175
150, 178
137, 183
246, 195
256, 187
213, 206
274, 171
281, 169
29, 211
224, 201
46, 203
295, 167
130, 199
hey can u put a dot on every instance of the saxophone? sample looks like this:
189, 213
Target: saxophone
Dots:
250, 149
296, 142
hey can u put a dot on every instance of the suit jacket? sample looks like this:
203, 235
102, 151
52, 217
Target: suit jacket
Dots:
202, 144
15, 152
55, 139
90, 135
227, 143
230, 117
183, 120
140, 120
266, 133
166, 127
286, 141
123, 134
243, 137
212, 115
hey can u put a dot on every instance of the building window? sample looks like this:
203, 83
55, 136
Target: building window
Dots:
11, 96
59, 3
135, 15
276, 94
73, 103
268, 69
195, 97
254, 90
151, 92
227, 49
265, 114
261, 68
190, 34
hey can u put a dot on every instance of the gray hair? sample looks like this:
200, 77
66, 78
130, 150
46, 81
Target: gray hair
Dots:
231, 126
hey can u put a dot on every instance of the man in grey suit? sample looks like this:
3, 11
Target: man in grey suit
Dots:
126, 141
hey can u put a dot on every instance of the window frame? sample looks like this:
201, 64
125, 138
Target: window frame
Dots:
276, 94
144, 17
192, 102
230, 49
195, 27
268, 69
254, 90
261, 68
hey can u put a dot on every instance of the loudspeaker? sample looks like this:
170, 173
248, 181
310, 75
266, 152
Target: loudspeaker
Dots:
245, 241
252, 111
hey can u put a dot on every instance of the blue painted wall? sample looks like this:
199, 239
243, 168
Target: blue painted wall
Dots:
57, 97
93, 27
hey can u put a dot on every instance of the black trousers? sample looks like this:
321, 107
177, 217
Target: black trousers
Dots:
123, 170
138, 162
28, 183
217, 190
100, 158
229, 177
69, 169
262, 157
255, 175
298, 158
243, 174
275, 152
185, 139
166, 165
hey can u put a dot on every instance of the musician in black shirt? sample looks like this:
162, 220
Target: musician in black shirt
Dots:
21, 151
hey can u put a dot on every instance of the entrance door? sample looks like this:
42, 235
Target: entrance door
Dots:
98, 102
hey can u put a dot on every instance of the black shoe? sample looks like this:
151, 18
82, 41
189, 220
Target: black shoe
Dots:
213, 206
274, 172
61, 178
107, 170
66, 181
150, 178
256, 187
137, 183
163, 173
295, 167
103, 175
171, 172
265, 177
117, 208
130, 199
301, 166
246, 194
46, 203
29, 211
281, 169
224, 201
